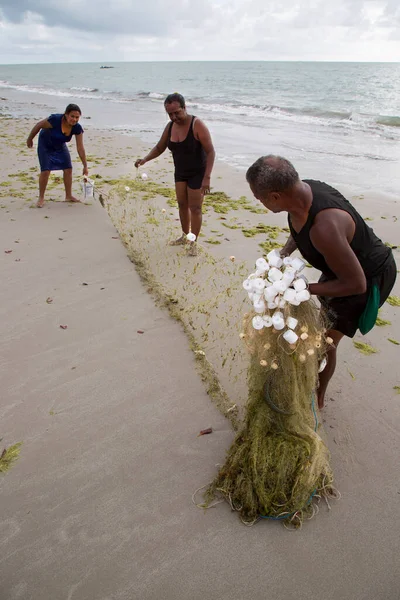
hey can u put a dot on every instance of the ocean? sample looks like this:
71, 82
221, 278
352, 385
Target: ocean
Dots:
339, 122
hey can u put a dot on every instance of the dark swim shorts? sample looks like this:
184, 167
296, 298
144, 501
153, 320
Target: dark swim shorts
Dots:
344, 313
193, 181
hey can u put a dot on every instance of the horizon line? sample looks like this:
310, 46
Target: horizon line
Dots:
201, 61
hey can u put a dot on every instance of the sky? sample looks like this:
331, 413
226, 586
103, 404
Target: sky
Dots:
43, 31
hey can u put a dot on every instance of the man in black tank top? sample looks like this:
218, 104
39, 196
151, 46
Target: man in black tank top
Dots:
190, 143
358, 270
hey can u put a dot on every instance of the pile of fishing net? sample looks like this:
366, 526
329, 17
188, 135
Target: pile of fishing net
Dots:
278, 465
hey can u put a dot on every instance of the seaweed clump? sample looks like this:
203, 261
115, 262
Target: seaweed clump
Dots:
9, 456
393, 300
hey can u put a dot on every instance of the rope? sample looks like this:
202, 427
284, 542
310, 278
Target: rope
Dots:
315, 414
268, 400
289, 515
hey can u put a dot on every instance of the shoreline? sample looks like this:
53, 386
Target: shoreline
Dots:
101, 116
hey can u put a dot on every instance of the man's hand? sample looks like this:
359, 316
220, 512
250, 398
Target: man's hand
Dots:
85, 172
29, 143
140, 162
288, 248
205, 185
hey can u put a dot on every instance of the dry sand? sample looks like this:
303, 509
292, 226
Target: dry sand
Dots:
98, 505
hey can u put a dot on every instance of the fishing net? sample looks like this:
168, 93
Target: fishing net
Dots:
278, 464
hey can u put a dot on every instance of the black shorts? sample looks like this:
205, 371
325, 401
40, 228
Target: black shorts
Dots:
344, 313
194, 180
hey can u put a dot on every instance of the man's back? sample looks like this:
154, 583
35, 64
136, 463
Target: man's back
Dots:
369, 249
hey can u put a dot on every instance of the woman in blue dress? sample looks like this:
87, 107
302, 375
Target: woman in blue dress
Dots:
55, 132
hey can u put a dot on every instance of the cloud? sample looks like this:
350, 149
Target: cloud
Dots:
198, 30
157, 17
391, 16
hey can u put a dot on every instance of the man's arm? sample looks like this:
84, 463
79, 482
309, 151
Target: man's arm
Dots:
158, 149
289, 247
81, 151
331, 235
203, 135
43, 124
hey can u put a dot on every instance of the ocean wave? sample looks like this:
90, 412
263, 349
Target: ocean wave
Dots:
224, 109
388, 121
304, 113
20, 87
85, 89
32, 89
152, 95
156, 96
346, 120
315, 111
253, 111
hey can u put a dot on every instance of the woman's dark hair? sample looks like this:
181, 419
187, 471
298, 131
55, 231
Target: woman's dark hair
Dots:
71, 107
175, 97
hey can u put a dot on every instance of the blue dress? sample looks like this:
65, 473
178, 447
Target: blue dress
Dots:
52, 148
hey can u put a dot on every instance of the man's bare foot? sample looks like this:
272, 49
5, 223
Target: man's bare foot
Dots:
180, 241
72, 199
321, 402
40, 203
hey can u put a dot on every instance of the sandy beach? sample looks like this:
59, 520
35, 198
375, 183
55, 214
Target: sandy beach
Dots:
99, 503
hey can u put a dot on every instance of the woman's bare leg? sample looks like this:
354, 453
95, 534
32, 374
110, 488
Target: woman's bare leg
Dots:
68, 186
43, 179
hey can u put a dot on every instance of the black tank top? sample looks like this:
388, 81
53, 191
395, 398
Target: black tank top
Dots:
369, 249
189, 155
